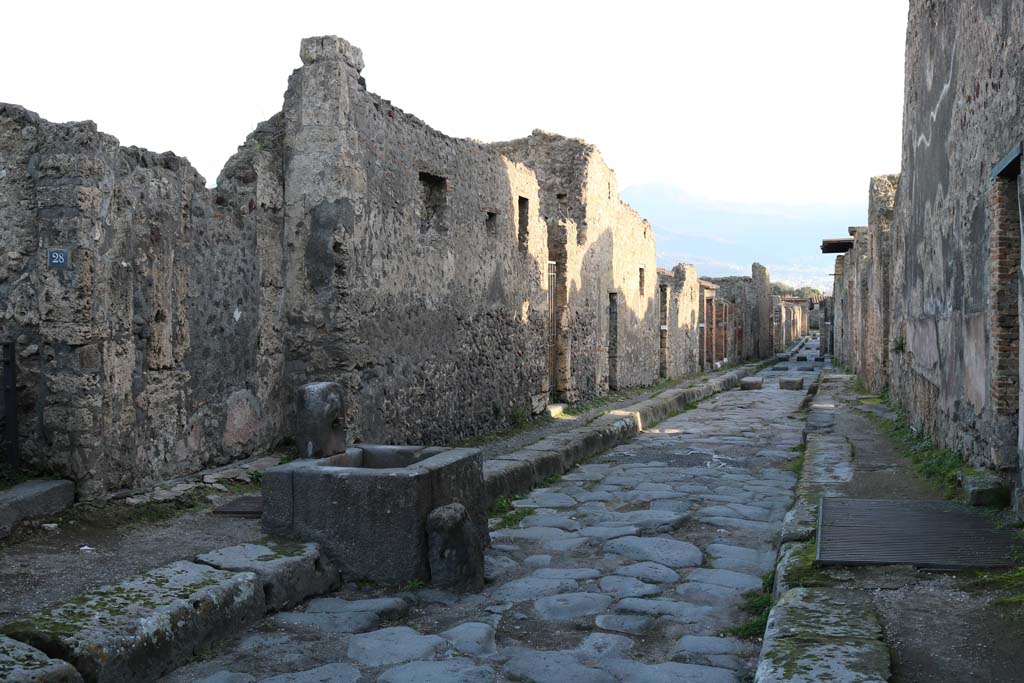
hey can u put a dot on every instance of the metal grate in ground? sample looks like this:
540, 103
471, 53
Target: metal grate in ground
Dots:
926, 534
244, 506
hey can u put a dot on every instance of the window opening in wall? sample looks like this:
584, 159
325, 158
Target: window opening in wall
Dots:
524, 221
613, 341
641, 282
491, 222
433, 202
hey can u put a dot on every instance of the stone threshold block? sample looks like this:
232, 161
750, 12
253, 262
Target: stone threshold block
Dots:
21, 663
142, 628
749, 383
31, 499
794, 383
367, 508
288, 572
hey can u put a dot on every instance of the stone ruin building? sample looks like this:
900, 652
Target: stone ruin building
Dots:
927, 294
449, 286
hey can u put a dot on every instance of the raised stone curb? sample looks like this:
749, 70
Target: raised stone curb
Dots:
21, 663
31, 499
143, 627
823, 634
289, 572
519, 472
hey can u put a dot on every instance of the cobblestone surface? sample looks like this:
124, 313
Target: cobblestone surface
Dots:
630, 568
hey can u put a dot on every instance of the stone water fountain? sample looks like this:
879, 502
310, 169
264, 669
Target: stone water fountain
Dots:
388, 514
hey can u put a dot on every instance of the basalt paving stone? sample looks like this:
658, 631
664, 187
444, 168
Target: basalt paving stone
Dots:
568, 606
329, 673
632, 550
449, 671
552, 667
649, 571
627, 587
625, 623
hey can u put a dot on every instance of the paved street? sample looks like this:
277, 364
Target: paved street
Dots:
628, 569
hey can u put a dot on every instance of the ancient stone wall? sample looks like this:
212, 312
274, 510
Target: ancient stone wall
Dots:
416, 267
450, 286
138, 360
751, 299
950, 351
610, 323
681, 333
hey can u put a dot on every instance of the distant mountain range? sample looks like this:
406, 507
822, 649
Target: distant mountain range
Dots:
724, 238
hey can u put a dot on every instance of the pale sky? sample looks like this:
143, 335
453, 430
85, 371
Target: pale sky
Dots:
788, 102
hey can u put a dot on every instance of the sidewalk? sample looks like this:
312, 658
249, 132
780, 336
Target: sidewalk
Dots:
919, 625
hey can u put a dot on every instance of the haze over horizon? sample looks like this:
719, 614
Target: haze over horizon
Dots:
744, 133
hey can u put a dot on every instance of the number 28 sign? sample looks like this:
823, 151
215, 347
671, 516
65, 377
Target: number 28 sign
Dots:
58, 258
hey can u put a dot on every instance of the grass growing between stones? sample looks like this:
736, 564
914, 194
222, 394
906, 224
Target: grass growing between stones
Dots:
940, 466
509, 515
796, 465
756, 605
803, 573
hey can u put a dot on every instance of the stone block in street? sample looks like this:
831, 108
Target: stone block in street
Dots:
289, 572
794, 383
137, 630
749, 383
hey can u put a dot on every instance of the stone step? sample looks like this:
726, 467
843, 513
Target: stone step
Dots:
140, 629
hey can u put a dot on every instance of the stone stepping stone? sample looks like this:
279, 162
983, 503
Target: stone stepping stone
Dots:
649, 571
625, 623
568, 606
552, 667
329, 673
671, 672
666, 551
627, 587
725, 577
531, 588
575, 573
473, 638
456, 670
751, 383
394, 645
791, 383
603, 645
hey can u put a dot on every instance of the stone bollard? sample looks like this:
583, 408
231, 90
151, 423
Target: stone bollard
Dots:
796, 383
456, 551
319, 420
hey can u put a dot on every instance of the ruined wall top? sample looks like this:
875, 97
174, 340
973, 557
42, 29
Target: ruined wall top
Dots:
328, 48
